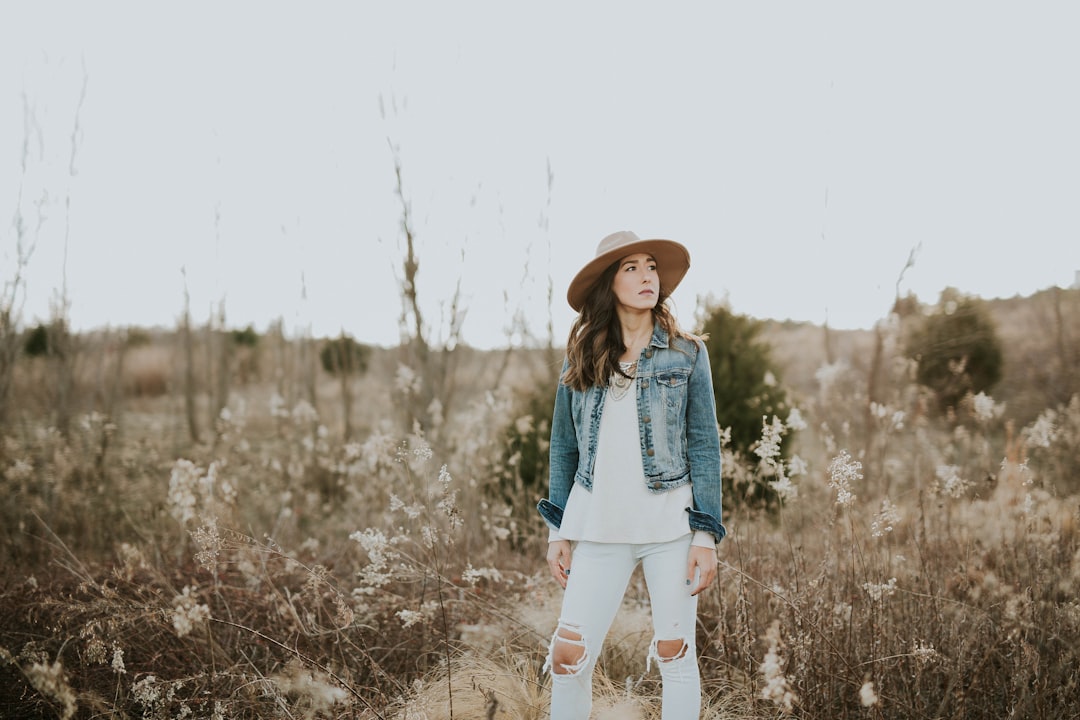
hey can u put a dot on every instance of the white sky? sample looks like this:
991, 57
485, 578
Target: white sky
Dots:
800, 150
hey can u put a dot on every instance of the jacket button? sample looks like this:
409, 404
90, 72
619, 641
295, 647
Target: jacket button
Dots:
644, 384
646, 419
648, 353
657, 484
650, 452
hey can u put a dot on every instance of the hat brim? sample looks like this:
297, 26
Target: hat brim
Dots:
672, 262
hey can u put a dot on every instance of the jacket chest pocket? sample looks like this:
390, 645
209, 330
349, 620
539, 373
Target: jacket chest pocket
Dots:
671, 385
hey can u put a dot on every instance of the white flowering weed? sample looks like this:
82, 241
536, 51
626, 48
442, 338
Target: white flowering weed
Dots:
889, 418
985, 409
188, 612
949, 481
409, 617
311, 688
879, 591
887, 518
923, 653
795, 420
867, 696
1043, 431
777, 687
51, 681
19, 471
118, 660
183, 490
771, 461
843, 471
304, 413
473, 575
195, 493
407, 381
768, 449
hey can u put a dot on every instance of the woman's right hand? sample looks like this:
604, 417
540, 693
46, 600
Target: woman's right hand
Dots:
558, 558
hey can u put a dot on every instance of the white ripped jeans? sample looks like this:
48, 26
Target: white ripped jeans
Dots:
598, 579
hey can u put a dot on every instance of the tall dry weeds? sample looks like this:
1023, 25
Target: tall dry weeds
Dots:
284, 572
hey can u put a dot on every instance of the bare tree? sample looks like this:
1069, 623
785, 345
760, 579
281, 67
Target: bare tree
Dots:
189, 365
13, 294
306, 360
217, 363
519, 326
433, 362
345, 358
552, 360
345, 366
62, 352
873, 380
59, 341
11, 300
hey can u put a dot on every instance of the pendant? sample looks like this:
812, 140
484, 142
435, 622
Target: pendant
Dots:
620, 385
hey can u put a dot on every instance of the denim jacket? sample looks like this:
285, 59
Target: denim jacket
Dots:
680, 443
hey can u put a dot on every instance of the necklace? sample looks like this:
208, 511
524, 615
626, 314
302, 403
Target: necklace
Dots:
620, 383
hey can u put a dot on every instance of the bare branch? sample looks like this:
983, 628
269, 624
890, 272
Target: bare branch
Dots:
907, 266
412, 263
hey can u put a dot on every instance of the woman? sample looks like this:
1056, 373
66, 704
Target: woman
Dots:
635, 471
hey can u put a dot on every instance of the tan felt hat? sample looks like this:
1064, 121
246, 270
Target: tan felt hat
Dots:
672, 262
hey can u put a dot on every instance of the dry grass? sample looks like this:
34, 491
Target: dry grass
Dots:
280, 571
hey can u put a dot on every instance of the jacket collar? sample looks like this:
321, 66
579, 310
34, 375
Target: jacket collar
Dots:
659, 336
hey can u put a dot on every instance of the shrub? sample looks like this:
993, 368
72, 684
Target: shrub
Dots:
957, 350
344, 355
137, 337
523, 471
746, 384
246, 337
37, 342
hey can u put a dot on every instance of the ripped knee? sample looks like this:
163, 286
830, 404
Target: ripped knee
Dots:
567, 654
668, 651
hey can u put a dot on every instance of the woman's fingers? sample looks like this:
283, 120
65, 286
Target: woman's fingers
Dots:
558, 558
703, 560
707, 578
559, 573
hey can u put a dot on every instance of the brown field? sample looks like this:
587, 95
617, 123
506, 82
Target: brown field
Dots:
196, 528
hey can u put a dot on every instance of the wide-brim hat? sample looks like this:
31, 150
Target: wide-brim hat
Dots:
672, 262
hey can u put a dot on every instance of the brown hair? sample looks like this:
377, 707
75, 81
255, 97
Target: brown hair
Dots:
596, 342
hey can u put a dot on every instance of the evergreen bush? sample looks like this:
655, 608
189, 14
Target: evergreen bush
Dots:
748, 391
957, 350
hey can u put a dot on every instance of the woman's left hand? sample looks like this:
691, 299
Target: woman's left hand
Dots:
703, 559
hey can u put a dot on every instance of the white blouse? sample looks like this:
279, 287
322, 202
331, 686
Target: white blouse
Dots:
620, 508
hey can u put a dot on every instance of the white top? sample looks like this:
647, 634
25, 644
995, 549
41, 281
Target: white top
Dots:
620, 508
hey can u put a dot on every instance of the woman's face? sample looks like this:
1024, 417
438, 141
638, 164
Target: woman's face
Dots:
636, 285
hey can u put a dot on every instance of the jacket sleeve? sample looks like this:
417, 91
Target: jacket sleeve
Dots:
703, 448
562, 456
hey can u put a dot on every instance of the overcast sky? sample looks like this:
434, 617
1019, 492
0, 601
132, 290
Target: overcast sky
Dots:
801, 150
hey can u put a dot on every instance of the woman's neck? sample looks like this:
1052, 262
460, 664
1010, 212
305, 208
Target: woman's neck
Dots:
637, 330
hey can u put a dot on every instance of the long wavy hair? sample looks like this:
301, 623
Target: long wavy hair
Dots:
596, 342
